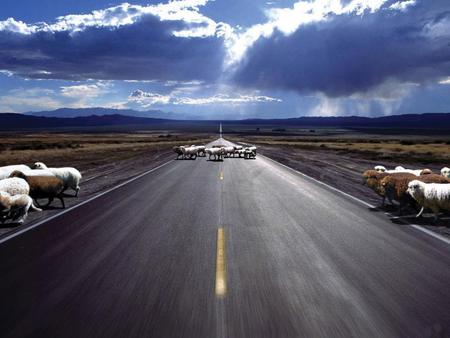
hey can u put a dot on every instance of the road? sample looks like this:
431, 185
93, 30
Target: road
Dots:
294, 259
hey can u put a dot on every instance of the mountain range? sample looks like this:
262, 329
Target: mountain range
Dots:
95, 117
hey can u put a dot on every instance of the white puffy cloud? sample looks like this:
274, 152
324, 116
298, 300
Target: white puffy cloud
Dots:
85, 91
147, 99
21, 99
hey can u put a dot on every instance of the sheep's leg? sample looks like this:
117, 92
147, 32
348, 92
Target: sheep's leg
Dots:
420, 212
62, 202
50, 200
76, 191
383, 201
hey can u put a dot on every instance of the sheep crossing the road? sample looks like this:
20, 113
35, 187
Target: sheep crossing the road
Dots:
419, 188
22, 186
214, 153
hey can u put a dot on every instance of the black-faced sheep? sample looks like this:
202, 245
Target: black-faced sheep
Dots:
49, 187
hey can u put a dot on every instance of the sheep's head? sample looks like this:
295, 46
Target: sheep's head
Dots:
426, 172
445, 172
17, 173
386, 184
370, 177
380, 168
415, 187
40, 165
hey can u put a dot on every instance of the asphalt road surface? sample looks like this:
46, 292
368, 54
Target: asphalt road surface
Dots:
239, 248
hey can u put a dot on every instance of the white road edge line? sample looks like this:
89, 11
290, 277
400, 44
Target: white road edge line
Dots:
415, 226
32, 226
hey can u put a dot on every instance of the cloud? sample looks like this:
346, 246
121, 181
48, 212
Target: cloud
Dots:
147, 99
172, 41
340, 49
19, 100
85, 91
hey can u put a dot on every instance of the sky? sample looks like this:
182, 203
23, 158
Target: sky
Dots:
227, 59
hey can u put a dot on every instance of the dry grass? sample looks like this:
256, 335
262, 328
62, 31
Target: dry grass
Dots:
413, 150
86, 150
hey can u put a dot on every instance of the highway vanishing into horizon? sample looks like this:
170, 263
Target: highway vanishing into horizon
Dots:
239, 248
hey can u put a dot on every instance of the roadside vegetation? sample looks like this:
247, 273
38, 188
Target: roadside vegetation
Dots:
87, 150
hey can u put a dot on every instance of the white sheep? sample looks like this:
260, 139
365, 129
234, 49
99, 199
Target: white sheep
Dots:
435, 196
15, 207
7, 170
70, 176
445, 172
400, 169
228, 151
15, 186
189, 152
380, 168
250, 152
217, 153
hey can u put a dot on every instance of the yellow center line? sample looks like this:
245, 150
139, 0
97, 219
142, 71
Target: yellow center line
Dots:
221, 175
221, 273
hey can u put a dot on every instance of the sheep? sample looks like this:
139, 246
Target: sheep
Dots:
394, 187
228, 151
43, 187
201, 151
14, 186
400, 169
435, 196
70, 176
380, 168
189, 152
7, 170
217, 153
250, 152
445, 172
15, 207
177, 150
372, 178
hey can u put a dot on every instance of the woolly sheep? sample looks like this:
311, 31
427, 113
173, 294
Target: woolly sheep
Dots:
380, 168
250, 152
15, 186
228, 151
394, 187
7, 170
217, 153
70, 176
49, 187
189, 152
435, 196
15, 207
400, 169
178, 151
445, 172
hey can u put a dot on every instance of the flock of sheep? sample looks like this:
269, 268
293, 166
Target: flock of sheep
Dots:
21, 187
216, 152
421, 189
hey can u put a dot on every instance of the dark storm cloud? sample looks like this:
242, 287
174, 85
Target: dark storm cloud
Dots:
351, 53
144, 50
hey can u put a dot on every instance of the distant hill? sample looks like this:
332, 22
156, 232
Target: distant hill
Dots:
427, 120
77, 112
433, 121
10, 121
